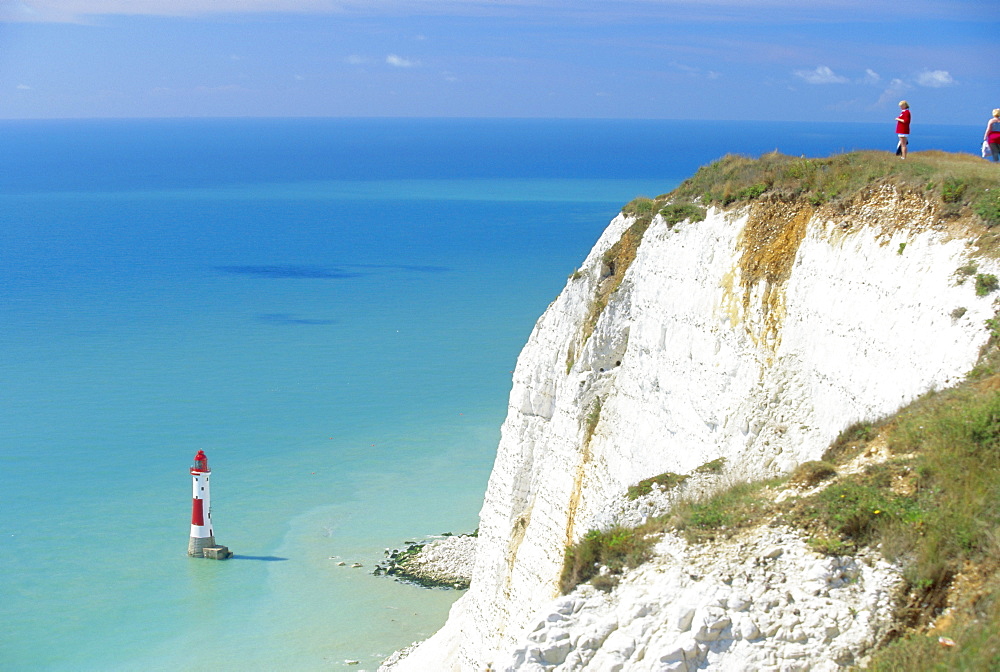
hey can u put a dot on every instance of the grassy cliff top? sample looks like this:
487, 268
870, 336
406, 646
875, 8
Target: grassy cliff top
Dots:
961, 184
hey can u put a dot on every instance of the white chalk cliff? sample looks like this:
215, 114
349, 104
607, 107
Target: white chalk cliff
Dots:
756, 335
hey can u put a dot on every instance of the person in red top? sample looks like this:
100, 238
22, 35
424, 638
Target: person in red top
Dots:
992, 135
903, 127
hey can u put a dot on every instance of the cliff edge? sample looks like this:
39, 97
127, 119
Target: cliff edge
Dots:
737, 323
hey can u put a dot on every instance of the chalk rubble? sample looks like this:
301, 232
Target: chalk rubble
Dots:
445, 562
761, 602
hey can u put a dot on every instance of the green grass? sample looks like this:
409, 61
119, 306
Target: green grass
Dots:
675, 213
809, 474
712, 467
962, 184
617, 549
955, 436
934, 506
640, 206
850, 441
987, 206
962, 273
722, 514
856, 510
986, 283
952, 190
667, 479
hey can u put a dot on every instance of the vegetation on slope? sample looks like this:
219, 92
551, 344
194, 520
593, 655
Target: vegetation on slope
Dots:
617, 260
614, 550
666, 480
961, 184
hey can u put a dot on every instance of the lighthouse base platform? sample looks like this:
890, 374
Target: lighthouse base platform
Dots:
217, 553
205, 547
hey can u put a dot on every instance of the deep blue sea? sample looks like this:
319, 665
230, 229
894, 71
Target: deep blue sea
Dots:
331, 309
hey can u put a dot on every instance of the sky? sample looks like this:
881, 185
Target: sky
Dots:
726, 60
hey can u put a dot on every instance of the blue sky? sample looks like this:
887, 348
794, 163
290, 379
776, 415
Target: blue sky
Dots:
838, 60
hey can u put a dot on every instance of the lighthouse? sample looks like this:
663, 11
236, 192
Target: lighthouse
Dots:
202, 542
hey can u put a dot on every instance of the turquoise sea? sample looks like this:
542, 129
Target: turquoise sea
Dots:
331, 309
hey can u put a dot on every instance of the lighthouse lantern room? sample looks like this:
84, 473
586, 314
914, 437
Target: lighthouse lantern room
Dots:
202, 542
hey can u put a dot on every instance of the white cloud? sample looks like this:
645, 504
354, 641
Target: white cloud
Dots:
399, 62
354, 59
82, 10
871, 77
721, 10
23, 87
892, 93
685, 68
694, 71
821, 75
935, 78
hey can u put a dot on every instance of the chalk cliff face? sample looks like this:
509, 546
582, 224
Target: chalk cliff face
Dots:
756, 335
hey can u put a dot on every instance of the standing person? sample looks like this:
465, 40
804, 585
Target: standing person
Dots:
992, 134
903, 128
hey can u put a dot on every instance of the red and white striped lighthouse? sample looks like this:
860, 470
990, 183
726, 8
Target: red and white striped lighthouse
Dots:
202, 534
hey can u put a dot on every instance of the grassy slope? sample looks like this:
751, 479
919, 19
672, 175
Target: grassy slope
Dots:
959, 184
933, 504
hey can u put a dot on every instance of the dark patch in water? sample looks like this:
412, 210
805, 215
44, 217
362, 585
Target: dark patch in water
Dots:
404, 267
287, 318
286, 271
282, 271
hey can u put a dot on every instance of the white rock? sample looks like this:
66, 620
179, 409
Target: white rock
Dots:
685, 616
692, 360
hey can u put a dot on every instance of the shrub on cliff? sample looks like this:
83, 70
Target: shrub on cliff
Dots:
809, 474
616, 550
987, 206
712, 466
667, 480
675, 213
849, 442
640, 206
986, 283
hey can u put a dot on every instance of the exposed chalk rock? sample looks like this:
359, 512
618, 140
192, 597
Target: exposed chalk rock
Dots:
756, 335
